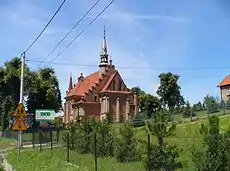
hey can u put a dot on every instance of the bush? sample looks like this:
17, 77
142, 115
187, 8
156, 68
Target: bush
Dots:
163, 158
215, 152
138, 120
105, 140
126, 145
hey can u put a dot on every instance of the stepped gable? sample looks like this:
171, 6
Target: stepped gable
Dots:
85, 84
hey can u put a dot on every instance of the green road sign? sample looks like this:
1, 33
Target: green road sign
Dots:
45, 114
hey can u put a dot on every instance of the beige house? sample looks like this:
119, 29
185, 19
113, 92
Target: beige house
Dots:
103, 91
225, 88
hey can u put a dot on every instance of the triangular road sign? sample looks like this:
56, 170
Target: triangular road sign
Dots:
19, 125
20, 111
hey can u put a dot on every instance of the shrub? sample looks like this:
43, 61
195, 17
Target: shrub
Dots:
105, 140
126, 145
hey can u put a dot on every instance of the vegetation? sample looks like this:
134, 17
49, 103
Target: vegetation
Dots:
41, 90
211, 104
169, 91
121, 147
126, 145
185, 137
188, 111
215, 152
162, 155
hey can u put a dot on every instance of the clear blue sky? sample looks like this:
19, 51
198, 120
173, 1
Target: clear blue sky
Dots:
190, 38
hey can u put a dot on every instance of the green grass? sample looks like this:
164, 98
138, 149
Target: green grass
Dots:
55, 160
186, 136
7, 143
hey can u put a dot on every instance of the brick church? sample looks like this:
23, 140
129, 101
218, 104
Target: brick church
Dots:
101, 92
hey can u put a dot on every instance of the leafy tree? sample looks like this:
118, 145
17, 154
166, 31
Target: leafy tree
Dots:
138, 91
126, 145
149, 103
215, 152
169, 91
9, 89
188, 111
162, 156
211, 104
8, 107
198, 107
43, 91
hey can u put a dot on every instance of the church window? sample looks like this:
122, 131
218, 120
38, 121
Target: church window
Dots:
120, 86
124, 88
114, 85
95, 98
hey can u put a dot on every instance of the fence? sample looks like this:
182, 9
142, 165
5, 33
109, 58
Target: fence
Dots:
36, 136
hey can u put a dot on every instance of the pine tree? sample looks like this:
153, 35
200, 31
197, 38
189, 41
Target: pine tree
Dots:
127, 145
215, 152
105, 140
162, 156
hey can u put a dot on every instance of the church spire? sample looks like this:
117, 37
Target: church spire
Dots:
104, 51
104, 45
70, 82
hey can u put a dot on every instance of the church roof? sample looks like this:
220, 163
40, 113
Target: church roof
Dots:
225, 81
109, 81
85, 84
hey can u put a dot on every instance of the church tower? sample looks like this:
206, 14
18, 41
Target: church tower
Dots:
104, 55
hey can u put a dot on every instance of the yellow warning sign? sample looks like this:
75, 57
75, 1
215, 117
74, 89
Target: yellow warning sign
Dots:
20, 111
19, 125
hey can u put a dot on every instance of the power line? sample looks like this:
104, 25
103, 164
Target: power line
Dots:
81, 32
39, 35
78, 22
135, 68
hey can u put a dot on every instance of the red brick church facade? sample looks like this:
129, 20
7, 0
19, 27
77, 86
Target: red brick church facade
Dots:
103, 91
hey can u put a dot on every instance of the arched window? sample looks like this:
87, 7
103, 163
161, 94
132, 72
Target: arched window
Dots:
95, 98
120, 86
114, 85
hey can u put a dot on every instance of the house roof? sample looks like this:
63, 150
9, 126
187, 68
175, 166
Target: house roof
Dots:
225, 81
85, 84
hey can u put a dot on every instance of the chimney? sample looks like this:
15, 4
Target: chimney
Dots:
80, 77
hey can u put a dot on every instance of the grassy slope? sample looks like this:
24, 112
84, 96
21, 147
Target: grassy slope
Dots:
56, 161
6, 143
186, 136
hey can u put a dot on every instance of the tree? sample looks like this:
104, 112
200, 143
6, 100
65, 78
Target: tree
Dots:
9, 89
138, 91
127, 145
188, 111
149, 103
8, 107
105, 140
211, 104
159, 126
43, 90
169, 91
214, 155
162, 156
